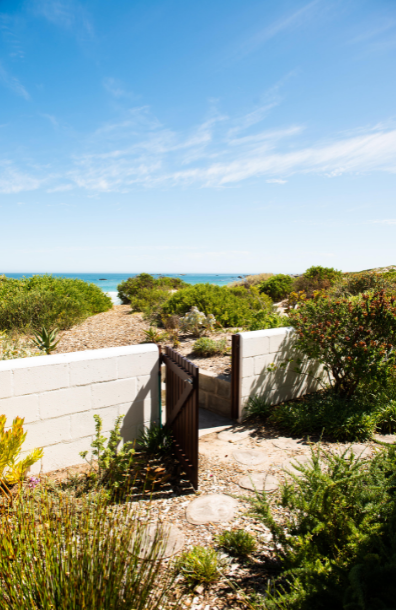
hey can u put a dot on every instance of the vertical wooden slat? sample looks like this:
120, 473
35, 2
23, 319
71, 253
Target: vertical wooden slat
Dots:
185, 425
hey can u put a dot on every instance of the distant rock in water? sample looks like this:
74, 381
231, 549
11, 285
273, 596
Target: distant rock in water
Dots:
102, 279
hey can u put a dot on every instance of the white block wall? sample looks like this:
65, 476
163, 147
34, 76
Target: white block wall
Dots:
259, 350
58, 396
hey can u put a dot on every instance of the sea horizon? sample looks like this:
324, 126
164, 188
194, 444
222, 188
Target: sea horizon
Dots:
108, 282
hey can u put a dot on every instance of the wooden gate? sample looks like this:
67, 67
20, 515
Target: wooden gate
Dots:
182, 378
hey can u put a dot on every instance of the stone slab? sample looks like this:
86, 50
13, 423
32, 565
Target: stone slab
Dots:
172, 540
211, 508
259, 481
301, 460
286, 444
249, 457
385, 438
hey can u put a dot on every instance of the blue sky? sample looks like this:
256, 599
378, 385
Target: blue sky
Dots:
211, 136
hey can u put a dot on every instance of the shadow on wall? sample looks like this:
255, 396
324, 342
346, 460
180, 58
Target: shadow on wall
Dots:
143, 411
276, 376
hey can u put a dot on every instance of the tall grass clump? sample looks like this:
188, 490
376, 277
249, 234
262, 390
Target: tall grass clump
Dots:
48, 301
57, 555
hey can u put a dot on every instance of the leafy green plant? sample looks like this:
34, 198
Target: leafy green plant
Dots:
111, 464
257, 406
277, 286
46, 340
208, 347
230, 306
12, 467
237, 542
144, 290
337, 541
317, 278
263, 319
337, 417
57, 554
50, 301
200, 565
156, 440
353, 338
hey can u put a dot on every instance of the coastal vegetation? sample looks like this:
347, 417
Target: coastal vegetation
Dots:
335, 545
353, 338
232, 306
29, 304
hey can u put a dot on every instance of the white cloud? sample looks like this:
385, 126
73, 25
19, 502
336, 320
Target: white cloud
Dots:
291, 21
12, 83
67, 14
139, 151
13, 180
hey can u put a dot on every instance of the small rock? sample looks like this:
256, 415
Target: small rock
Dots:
199, 589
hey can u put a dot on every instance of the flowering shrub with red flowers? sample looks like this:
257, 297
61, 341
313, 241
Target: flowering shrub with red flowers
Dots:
354, 338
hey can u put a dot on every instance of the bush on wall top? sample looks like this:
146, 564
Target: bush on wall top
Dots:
46, 300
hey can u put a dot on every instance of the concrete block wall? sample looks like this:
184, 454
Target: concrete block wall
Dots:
215, 393
58, 396
259, 350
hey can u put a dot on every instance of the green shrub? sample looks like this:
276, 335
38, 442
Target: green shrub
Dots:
230, 306
111, 464
340, 418
208, 347
337, 539
137, 290
45, 300
199, 565
353, 338
317, 278
263, 319
56, 554
238, 543
156, 440
257, 406
278, 286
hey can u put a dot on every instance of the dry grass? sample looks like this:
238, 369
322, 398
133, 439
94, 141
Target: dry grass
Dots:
252, 280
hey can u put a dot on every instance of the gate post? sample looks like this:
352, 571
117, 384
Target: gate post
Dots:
235, 375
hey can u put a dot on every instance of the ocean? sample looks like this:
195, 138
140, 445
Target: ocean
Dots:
108, 282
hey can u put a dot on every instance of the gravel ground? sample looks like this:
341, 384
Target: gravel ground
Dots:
119, 326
